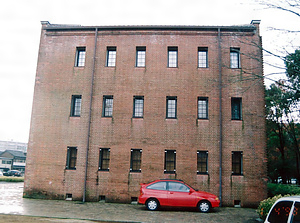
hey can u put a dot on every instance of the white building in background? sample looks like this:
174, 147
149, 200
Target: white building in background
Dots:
12, 145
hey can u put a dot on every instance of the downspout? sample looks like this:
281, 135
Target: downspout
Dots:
90, 117
220, 116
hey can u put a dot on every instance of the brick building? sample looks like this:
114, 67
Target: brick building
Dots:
118, 106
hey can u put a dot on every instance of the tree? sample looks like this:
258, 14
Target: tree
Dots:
276, 135
283, 129
292, 63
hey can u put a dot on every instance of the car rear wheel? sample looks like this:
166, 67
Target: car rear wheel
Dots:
204, 206
152, 204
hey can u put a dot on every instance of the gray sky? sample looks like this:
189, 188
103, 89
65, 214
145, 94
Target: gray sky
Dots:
20, 34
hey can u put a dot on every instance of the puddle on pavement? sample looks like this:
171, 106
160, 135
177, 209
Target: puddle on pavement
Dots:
11, 198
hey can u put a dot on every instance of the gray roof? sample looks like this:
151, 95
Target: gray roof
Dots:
14, 153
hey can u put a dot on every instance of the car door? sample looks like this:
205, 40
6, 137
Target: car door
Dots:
159, 191
179, 195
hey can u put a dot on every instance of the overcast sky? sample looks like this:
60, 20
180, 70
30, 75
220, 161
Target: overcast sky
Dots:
20, 34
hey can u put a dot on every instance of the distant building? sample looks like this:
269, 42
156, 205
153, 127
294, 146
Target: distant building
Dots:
13, 160
5, 163
12, 145
118, 106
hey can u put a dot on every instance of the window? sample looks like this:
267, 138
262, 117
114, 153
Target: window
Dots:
76, 105
202, 57
80, 57
71, 158
138, 106
237, 163
178, 187
235, 58
136, 158
296, 213
6, 162
104, 159
202, 157
171, 107
111, 56
170, 161
236, 108
107, 106
141, 56
158, 186
172, 56
281, 212
202, 108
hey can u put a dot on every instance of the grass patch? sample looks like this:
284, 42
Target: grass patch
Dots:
11, 179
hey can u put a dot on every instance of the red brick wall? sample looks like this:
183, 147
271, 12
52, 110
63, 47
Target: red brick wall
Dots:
53, 130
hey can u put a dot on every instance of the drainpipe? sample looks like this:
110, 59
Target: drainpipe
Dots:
220, 116
90, 117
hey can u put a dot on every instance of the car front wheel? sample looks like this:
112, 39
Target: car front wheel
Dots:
152, 204
204, 206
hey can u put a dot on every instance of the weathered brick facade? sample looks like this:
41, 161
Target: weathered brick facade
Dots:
54, 130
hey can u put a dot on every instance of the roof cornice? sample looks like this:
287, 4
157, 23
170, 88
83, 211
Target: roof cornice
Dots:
61, 27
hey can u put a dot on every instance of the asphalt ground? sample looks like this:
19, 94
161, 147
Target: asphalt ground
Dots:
14, 208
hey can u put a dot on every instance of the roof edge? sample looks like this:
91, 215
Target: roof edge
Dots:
65, 27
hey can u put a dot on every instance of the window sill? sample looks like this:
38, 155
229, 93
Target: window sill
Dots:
237, 174
169, 172
135, 171
202, 173
100, 170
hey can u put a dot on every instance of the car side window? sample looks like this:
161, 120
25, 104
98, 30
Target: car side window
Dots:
179, 187
280, 212
158, 186
296, 213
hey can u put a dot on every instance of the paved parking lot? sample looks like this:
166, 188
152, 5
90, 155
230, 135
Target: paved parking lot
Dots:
13, 207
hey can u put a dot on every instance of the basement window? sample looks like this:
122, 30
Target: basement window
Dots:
101, 198
237, 203
68, 197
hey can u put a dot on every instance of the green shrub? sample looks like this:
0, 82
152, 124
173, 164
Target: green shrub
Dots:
265, 206
275, 191
283, 189
12, 179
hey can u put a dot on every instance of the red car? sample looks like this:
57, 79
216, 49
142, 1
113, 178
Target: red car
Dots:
175, 193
